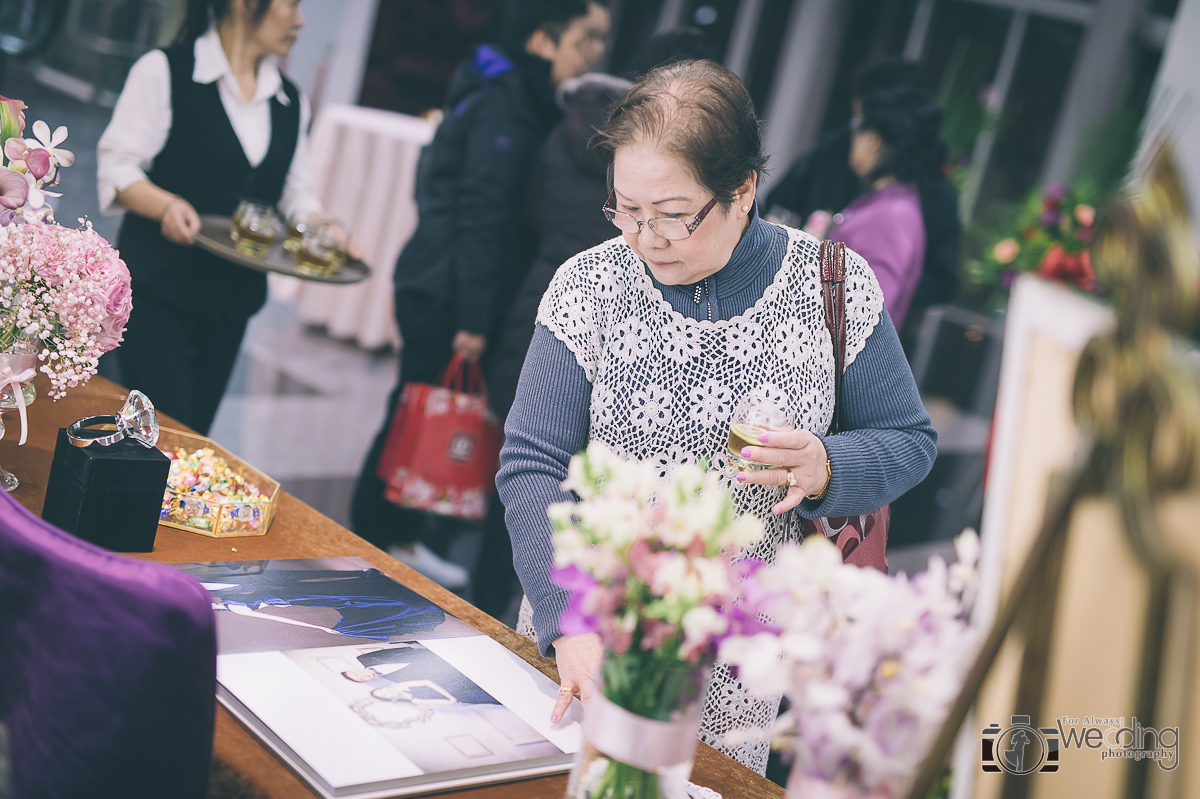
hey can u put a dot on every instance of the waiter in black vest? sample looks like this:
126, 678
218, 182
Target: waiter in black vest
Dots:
198, 127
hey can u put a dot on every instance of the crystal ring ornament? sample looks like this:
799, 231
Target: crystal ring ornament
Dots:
136, 419
80, 436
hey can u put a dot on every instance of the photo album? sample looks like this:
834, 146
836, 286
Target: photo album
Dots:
367, 689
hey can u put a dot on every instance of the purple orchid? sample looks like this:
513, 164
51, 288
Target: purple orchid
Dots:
35, 159
14, 189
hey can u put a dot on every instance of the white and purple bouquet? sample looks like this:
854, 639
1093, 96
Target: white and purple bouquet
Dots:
650, 564
64, 293
652, 568
869, 663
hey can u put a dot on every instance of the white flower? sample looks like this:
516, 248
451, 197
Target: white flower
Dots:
602, 279
681, 342
711, 403
789, 342
651, 408
48, 142
702, 624
759, 662
745, 340
604, 402
629, 340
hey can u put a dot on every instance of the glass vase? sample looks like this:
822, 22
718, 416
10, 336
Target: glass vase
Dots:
640, 729
20, 358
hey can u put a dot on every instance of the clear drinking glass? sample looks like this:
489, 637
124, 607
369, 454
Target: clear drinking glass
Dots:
257, 227
236, 219
322, 248
757, 414
297, 226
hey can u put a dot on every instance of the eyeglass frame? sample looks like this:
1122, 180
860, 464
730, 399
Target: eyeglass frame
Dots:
610, 212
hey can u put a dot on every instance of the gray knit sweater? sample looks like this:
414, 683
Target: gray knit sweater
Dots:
888, 448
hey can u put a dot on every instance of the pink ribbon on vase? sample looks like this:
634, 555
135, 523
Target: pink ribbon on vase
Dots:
645, 743
13, 380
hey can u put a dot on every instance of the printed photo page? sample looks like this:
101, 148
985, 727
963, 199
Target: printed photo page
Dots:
367, 689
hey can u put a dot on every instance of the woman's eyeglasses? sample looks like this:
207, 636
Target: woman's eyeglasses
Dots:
669, 228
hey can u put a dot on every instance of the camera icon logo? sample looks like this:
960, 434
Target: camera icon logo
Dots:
1021, 748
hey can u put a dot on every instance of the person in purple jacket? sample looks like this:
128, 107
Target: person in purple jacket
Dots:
897, 151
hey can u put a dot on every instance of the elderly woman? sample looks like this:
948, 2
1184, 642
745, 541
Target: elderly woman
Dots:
648, 341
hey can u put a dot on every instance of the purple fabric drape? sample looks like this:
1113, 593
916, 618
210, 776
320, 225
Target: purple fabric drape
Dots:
107, 668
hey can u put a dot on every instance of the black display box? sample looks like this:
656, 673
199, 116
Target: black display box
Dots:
110, 496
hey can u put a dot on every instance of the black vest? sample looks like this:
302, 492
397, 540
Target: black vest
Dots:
203, 162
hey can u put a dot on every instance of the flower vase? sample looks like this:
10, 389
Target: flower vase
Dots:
640, 728
803, 786
17, 366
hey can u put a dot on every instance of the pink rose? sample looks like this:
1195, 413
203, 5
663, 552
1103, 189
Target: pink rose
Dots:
1006, 251
117, 305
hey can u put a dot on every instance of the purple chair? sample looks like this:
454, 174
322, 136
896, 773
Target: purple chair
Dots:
107, 669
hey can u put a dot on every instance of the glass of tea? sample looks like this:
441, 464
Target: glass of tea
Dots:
236, 219
297, 226
322, 248
257, 228
757, 414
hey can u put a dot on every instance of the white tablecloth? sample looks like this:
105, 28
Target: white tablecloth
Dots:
364, 165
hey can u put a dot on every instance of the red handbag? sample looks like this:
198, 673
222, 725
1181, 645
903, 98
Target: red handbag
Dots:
862, 539
443, 448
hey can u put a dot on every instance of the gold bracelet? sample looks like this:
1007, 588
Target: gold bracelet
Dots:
825, 488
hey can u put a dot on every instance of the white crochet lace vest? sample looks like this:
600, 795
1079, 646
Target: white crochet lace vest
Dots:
664, 387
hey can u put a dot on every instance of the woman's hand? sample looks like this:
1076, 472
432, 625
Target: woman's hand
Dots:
180, 222
797, 451
578, 659
469, 345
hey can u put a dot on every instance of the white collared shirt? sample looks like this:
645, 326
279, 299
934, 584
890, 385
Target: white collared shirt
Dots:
141, 122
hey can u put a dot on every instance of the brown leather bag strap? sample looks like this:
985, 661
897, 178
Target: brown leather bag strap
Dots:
833, 287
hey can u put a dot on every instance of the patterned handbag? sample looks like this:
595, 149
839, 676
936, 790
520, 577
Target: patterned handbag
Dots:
861, 539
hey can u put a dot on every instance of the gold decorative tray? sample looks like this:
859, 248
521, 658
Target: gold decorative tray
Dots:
212, 517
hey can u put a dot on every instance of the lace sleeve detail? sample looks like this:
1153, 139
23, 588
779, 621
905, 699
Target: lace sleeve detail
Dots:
573, 306
864, 304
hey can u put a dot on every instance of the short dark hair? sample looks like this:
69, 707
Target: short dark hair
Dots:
887, 73
698, 112
523, 18
909, 121
200, 14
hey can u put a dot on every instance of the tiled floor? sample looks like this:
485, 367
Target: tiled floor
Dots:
303, 407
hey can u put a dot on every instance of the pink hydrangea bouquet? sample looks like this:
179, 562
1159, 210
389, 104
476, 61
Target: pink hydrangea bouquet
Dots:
652, 568
869, 663
64, 293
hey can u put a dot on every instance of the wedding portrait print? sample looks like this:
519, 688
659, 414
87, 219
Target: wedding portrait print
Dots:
276, 605
423, 706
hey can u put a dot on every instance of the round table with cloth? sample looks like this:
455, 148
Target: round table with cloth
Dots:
364, 164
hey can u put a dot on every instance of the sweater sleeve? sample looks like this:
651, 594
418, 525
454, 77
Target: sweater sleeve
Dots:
544, 429
889, 444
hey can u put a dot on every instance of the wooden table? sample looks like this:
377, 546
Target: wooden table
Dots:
301, 532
